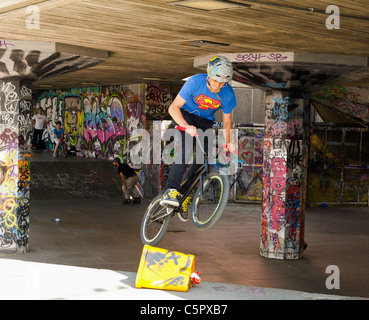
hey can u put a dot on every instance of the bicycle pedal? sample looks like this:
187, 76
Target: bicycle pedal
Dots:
167, 205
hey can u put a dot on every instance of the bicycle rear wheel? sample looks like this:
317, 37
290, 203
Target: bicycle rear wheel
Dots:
155, 222
207, 210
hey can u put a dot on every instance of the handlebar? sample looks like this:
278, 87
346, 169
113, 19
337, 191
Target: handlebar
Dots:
196, 135
184, 129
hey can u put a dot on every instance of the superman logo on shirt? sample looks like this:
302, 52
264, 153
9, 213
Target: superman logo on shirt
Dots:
204, 102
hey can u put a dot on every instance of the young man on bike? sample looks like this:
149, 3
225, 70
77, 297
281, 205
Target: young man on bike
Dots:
193, 108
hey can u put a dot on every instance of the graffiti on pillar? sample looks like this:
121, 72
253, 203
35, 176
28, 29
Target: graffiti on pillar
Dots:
14, 166
24, 167
8, 164
278, 190
24, 118
282, 176
24, 178
8, 204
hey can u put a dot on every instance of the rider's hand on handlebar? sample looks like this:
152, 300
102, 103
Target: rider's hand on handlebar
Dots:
191, 130
229, 147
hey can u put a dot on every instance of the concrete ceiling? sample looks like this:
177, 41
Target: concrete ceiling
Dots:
152, 38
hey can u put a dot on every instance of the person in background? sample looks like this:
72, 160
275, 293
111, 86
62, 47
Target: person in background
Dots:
129, 180
59, 137
39, 121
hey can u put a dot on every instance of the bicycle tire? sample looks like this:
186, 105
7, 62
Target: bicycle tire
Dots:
155, 210
215, 193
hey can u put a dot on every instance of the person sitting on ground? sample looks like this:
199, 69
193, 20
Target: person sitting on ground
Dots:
129, 180
59, 137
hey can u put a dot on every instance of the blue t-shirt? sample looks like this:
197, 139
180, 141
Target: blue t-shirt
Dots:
58, 133
201, 102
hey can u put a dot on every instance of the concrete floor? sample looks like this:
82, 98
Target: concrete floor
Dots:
104, 234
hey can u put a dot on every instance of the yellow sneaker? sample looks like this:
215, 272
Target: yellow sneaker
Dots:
183, 214
171, 197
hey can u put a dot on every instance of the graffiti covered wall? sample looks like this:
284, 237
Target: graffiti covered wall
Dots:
99, 121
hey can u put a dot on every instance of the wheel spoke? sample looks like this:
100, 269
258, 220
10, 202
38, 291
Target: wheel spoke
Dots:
155, 222
208, 209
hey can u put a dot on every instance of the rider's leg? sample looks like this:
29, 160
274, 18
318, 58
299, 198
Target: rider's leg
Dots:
172, 194
198, 160
180, 163
182, 155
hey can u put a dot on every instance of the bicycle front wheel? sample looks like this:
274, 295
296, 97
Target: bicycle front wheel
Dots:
155, 222
207, 210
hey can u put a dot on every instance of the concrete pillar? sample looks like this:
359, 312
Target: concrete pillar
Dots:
15, 130
22, 63
285, 174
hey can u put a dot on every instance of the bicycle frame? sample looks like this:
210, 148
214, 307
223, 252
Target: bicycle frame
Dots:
162, 214
194, 177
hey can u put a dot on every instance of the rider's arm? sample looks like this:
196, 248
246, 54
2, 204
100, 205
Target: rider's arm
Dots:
227, 125
175, 112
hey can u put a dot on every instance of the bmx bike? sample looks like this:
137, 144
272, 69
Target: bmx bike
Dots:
211, 191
